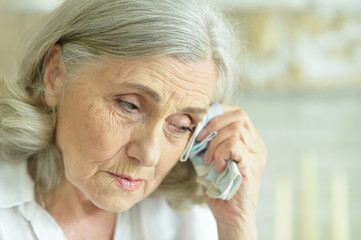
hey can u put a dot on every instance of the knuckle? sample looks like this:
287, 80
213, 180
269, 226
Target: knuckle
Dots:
236, 127
242, 115
237, 153
231, 143
233, 154
245, 170
240, 112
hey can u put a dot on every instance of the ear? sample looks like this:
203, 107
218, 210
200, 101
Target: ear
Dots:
53, 76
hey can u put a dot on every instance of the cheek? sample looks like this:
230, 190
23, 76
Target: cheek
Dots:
88, 138
168, 160
171, 151
104, 135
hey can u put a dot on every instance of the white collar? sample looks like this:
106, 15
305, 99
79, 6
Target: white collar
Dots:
16, 186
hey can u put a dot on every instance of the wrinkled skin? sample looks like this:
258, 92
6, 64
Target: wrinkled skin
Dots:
133, 118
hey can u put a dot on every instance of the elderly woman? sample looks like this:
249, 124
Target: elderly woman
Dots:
109, 95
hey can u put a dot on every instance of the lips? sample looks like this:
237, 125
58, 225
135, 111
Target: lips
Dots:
126, 183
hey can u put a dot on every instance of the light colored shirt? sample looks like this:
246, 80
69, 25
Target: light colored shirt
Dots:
21, 217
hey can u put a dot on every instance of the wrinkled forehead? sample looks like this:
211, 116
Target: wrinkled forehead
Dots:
166, 76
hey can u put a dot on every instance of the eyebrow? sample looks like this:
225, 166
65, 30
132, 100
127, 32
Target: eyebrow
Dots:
153, 94
156, 97
194, 110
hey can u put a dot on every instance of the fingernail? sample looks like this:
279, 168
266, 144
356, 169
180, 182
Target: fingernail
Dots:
202, 134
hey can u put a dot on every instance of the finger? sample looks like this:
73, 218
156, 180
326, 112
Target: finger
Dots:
234, 130
217, 123
242, 114
231, 149
223, 121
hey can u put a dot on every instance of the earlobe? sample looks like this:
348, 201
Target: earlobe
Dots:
53, 75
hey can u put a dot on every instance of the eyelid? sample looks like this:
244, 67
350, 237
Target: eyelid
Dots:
189, 127
181, 120
126, 105
131, 98
179, 129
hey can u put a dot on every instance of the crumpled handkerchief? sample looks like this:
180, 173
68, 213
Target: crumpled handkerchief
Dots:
218, 184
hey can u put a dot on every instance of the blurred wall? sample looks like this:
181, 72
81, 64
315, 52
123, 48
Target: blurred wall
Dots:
13, 28
300, 49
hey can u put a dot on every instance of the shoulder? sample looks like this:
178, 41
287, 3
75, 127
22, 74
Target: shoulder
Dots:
16, 186
15, 190
13, 225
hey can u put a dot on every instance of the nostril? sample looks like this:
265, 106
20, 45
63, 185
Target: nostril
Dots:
135, 160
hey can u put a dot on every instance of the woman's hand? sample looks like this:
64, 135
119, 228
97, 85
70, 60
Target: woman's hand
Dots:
237, 139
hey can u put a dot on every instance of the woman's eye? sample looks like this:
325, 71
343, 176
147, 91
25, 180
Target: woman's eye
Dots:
185, 129
180, 125
127, 105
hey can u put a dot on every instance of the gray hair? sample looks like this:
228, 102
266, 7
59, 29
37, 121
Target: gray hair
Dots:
94, 30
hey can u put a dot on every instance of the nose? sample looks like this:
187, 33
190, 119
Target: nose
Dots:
145, 144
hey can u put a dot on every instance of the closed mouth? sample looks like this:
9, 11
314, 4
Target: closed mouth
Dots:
126, 182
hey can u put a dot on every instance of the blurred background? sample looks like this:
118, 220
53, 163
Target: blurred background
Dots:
301, 85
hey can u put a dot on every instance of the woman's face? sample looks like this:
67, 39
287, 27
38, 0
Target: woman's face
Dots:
122, 126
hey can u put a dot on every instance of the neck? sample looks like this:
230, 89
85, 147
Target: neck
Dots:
69, 198
72, 210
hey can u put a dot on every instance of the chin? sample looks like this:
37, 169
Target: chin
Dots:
118, 207
114, 203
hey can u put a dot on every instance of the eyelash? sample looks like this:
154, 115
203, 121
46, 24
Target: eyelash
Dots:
130, 107
184, 129
127, 105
